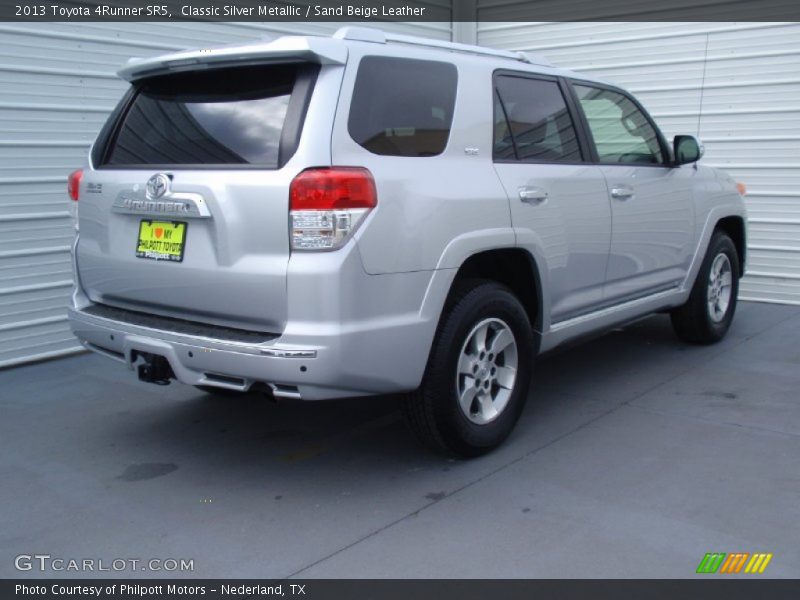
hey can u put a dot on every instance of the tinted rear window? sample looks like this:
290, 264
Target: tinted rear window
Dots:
216, 117
403, 107
532, 122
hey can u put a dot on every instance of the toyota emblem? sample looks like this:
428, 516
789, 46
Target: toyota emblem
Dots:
157, 185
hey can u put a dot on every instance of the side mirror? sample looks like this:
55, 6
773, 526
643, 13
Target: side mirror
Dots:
687, 149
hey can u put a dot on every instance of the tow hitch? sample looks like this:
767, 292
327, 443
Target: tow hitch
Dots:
154, 368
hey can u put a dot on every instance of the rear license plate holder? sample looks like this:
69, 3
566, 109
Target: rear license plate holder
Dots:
161, 240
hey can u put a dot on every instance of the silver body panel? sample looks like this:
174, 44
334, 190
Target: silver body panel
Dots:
570, 226
360, 320
653, 228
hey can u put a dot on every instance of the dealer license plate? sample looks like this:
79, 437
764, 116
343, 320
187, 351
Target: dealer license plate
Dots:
161, 240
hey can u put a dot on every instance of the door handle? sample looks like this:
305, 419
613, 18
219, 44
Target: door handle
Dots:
622, 192
532, 195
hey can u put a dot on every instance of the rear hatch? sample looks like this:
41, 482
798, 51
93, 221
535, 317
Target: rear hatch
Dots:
185, 211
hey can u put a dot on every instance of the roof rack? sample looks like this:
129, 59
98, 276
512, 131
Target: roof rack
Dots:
377, 36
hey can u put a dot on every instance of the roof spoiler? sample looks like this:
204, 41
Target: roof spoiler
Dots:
285, 49
322, 50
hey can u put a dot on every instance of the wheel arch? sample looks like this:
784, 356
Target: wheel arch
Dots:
516, 269
735, 228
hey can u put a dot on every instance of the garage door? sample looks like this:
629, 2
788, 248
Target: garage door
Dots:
57, 85
734, 85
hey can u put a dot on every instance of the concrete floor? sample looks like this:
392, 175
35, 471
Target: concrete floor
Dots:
635, 456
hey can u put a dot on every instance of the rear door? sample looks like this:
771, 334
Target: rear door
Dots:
558, 199
651, 203
185, 211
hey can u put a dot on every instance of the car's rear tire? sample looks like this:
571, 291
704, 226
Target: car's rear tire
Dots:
707, 314
478, 372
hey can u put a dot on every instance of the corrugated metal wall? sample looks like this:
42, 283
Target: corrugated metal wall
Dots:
57, 85
734, 85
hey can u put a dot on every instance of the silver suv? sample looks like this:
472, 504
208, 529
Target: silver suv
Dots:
374, 213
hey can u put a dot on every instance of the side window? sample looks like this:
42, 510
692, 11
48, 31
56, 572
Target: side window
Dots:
621, 132
402, 107
532, 122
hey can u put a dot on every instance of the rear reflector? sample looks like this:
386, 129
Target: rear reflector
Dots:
741, 188
327, 205
74, 184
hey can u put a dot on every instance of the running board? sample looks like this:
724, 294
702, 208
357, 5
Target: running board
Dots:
609, 317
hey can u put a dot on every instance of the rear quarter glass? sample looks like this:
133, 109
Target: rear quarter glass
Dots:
403, 107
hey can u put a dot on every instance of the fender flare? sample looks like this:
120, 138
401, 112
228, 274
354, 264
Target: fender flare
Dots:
715, 215
465, 246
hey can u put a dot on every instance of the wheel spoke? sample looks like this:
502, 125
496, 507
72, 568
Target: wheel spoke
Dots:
488, 410
502, 341
718, 266
465, 364
468, 395
726, 279
479, 338
506, 377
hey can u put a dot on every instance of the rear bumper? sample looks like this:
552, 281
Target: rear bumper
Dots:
196, 359
331, 368
348, 333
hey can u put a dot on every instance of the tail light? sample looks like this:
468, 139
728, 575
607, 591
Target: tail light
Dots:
327, 205
73, 189
741, 188
74, 184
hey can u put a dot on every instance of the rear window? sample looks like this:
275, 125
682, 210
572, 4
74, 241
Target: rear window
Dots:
217, 117
403, 107
532, 122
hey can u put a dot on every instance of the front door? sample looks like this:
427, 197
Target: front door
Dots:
651, 203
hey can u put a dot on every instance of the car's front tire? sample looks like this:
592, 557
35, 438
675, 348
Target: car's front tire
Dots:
707, 314
478, 372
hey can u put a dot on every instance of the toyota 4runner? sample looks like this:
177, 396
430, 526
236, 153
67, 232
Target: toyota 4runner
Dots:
374, 213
